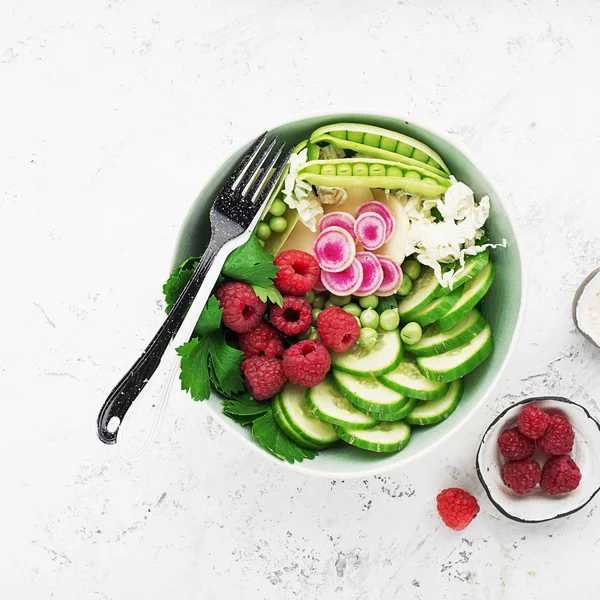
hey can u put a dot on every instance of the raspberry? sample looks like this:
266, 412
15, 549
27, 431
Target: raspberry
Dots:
457, 508
513, 445
338, 329
560, 475
298, 272
295, 316
306, 363
264, 376
263, 340
242, 308
533, 422
558, 438
521, 476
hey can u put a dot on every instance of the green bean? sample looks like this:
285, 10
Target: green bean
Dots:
412, 269
263, 231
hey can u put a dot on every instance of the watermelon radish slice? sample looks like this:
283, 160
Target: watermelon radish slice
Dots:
319, 287
370, 230
372, 274
392, 276
334, 249
338, 219
346, 282
383, 211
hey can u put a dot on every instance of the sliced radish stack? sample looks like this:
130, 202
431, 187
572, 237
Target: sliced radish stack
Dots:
346, 282
334, 249
383, 211
370, 230
372, 274
392, 276
338, 219
319, 287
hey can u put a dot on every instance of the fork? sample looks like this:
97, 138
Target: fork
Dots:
233, 216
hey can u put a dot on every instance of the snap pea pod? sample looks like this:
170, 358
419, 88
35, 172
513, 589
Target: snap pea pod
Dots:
373, 173
381, 143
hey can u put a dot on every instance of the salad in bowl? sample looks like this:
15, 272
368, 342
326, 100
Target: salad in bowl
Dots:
357, 318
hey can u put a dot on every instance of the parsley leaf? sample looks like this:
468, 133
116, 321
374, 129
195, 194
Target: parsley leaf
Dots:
245, 406
387, 302
268, 293
210, 319
251, 263
194, 367
268, 433
178, 280
225, 364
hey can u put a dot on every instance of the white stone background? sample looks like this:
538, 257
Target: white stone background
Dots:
113, 113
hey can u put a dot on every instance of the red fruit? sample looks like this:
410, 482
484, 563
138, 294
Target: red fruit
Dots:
560, 475
338, 329
263, 340
457, 508
513, 445
264, 376
559, 436
306, 363
298, 272
533, 422
294, 317
242, 308
521, 476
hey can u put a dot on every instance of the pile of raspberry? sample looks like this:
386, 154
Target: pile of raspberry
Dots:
551, 434
273, 354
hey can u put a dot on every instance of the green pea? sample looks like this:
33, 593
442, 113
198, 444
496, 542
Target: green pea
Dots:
376, 170
353, 309
339, 300
412, 175
371, 139
360, 170
329, 303
405, 288
278, 224
404, 149
340, 135
433, 163
315, 314
411, 333
367, 337
310, 296
371, 301
388, 144
369, 318
429, 180
394, 172
344, 170
328, 170
278, 207
389, 319
420, 155
316, 169
356, 136
263, 231
319, 301
412, 269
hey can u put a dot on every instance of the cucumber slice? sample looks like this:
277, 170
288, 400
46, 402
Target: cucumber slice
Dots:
370, 395
473, 291
407, 379
291, 402
435, 342
458, 362
435, 411
381, 358
286, 427
329, 404
385, 437
423, 291
437, 308
473, 265
411, 404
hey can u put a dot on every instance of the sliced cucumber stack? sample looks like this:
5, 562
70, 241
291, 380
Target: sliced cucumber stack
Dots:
293, 415
434, 411
437, 308
458, 362
329, 404
407, 379
473, 291
408, 407
435, 342
370, 395
473, 265
381, 358
385, 437
423, 291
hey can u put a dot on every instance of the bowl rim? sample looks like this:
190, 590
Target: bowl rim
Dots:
508, 209
497, 419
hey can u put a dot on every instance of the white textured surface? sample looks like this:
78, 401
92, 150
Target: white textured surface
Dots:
112, 115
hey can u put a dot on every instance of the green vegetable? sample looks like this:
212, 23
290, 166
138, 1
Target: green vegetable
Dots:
369, 318
270, 293
353, 309
367, 337
385, 437
412, 269
278, 224
251, 263
339, 300
210, 319
386, 303
389, 319
310, 296
411, 333
178, 280
319, 301
405, 287
263, 231
329, 303
278, 207
315, 314
369, 301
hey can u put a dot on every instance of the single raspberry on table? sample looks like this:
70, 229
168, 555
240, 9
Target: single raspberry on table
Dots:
242, 308
263, 340
521, 476
294, 317
560, 475
533, 422
306, 363
559, 436
338, 329
513, 445
457, 508
264, 376
298, 272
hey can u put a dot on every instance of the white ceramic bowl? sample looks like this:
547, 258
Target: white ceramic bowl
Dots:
503, 305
